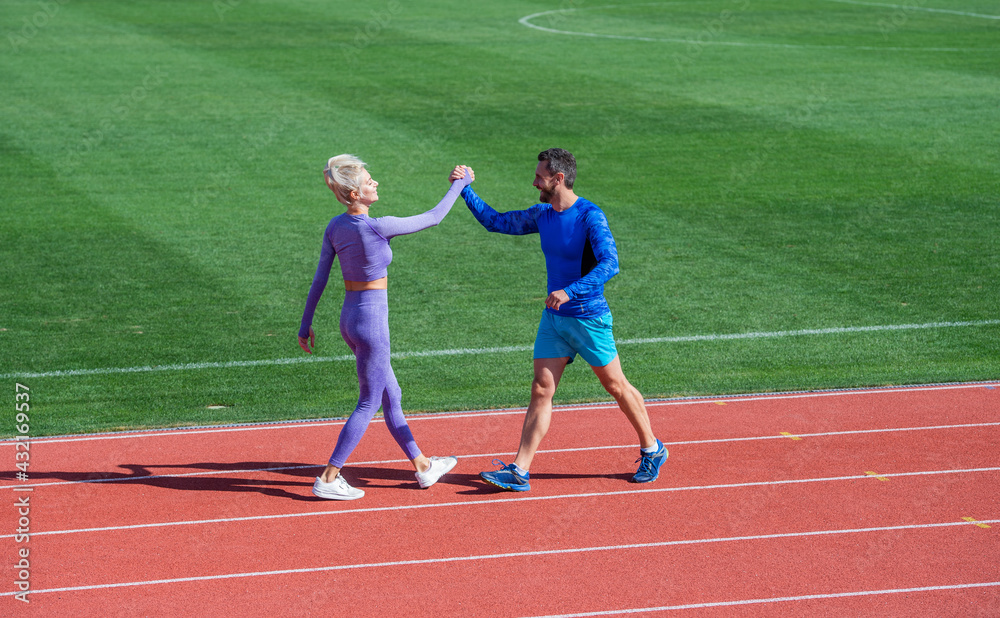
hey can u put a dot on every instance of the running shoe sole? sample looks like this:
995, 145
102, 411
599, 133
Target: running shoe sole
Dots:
506, 486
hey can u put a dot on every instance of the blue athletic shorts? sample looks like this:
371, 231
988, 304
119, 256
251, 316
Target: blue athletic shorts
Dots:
562, 336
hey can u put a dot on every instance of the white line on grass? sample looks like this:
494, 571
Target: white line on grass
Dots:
805, 597
914, 7
523, 554
526, 21
508, 500
492, 350
578, 449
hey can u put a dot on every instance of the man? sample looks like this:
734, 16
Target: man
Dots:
580, 257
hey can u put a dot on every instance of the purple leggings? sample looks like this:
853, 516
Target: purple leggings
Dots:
364, 324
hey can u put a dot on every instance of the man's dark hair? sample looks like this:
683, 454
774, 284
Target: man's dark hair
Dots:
560, 161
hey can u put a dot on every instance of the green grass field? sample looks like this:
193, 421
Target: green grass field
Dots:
766, 166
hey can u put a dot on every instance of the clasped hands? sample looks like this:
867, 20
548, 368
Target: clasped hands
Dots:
459, 173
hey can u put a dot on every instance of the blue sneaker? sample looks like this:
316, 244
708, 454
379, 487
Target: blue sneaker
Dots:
506, 477
649, 469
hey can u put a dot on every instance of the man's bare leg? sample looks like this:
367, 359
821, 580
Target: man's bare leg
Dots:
548, 372
629, 400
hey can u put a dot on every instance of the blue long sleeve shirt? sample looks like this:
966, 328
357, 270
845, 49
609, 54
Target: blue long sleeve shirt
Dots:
580, 252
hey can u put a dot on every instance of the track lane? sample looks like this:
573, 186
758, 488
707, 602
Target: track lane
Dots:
719, 446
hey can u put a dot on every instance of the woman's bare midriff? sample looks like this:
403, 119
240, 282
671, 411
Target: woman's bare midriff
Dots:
361, 286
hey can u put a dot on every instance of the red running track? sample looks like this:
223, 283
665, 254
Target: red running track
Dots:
871, 502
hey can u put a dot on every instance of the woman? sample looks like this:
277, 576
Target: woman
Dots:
362, 243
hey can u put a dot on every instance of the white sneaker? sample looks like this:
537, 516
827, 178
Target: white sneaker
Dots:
439, 467
337, 490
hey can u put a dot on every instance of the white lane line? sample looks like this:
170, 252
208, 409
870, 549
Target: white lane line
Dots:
812, 331
524, 554
494, 350
526, 21
21, 486
804, 597
311, 423
914, 7
830, 393
508, 500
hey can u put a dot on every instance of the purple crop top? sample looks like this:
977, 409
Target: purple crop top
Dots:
362, 242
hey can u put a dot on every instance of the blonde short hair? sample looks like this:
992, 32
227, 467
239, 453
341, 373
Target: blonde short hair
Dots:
344, 171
